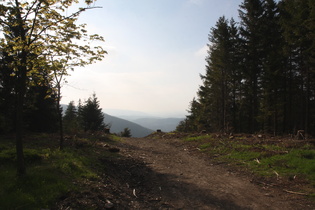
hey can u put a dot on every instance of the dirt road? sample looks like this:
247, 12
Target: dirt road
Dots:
166, 174
159, 173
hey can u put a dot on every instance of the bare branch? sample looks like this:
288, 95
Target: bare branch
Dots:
30, 9
34, 22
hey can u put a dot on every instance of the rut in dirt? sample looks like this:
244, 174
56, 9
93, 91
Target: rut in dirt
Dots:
165, 174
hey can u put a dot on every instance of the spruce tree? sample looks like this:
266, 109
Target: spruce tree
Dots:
70, 119
251, 12
195, 120
235, 61
92, 117
297, 21
260, 73
126, 133
271, 107
40, 113
216, 108
7, 97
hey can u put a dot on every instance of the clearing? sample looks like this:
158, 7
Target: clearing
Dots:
163, 173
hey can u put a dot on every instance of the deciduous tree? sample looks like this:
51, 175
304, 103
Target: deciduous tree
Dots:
28, 28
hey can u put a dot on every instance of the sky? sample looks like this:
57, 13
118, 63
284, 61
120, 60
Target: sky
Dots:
156, 52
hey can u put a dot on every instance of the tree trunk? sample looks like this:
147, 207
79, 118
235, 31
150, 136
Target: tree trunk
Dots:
307, 101
20, 93
59, 112
21, 89
60, 127
21, 169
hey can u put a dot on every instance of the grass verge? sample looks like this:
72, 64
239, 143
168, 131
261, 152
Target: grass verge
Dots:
284, 158
51, 173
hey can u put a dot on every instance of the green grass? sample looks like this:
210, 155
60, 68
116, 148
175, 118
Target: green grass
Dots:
205, 146
51, 173
38, 189
244, 156
197, 138
70, 162
115, 137
30, 155
42, 184
296, 162
261, 158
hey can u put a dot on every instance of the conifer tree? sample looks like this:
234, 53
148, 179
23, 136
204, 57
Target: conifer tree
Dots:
7, 105
217, 74
297, 21
251, 30
260, 74
215, 108
195, 120
40, 109
91, 115
70, 119
126, 133
272, 76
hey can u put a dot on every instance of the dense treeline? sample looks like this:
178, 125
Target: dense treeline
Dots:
260, 73
41, 110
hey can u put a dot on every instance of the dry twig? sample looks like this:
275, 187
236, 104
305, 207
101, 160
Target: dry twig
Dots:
297, 193
134, 193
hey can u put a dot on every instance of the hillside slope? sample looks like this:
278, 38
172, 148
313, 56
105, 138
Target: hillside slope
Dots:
117, 125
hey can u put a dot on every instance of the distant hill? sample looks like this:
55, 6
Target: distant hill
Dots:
132, 115
118, 125
165, 124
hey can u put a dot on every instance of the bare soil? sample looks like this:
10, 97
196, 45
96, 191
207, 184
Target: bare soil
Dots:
160, 173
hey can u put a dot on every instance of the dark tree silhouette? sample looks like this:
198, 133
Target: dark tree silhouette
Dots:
91, 115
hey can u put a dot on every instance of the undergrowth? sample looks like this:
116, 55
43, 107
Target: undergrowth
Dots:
51, 173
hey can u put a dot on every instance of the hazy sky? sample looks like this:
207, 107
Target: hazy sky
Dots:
156, 51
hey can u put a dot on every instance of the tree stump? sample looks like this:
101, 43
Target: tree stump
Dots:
107, 130
300, 135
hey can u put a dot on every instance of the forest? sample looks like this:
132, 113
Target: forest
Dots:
260, 75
